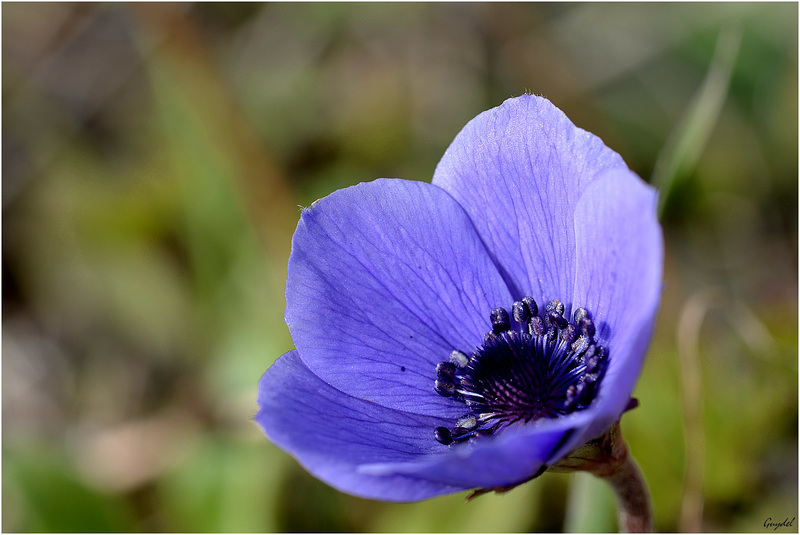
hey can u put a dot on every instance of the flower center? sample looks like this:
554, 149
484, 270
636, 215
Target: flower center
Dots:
545, 367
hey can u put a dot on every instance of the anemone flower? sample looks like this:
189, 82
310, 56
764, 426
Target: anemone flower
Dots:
471, 332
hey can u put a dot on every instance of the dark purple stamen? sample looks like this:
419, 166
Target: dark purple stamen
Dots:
531, 304
445, 370
444, 387
443, 436
500, 322
545, 367
521, 312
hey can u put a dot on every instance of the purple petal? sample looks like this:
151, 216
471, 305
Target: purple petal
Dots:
331, 433
508, 459
385, 279
519, 171
619, 266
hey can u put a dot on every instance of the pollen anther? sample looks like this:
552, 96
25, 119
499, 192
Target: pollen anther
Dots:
547, 368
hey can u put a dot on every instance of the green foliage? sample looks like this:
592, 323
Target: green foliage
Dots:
49, 496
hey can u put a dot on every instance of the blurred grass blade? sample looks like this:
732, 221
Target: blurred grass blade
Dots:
590, 505
224, 168
688, 139
691, 320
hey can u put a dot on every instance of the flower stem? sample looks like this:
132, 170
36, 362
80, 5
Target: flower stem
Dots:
607, 457
633, 499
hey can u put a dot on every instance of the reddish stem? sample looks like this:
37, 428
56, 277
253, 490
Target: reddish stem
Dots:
633, 499
607, 457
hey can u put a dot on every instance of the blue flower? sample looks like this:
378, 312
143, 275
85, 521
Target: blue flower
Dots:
471, 332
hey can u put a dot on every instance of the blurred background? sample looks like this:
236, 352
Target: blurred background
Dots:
154, 160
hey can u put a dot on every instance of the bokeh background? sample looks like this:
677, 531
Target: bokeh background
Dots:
154, 160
